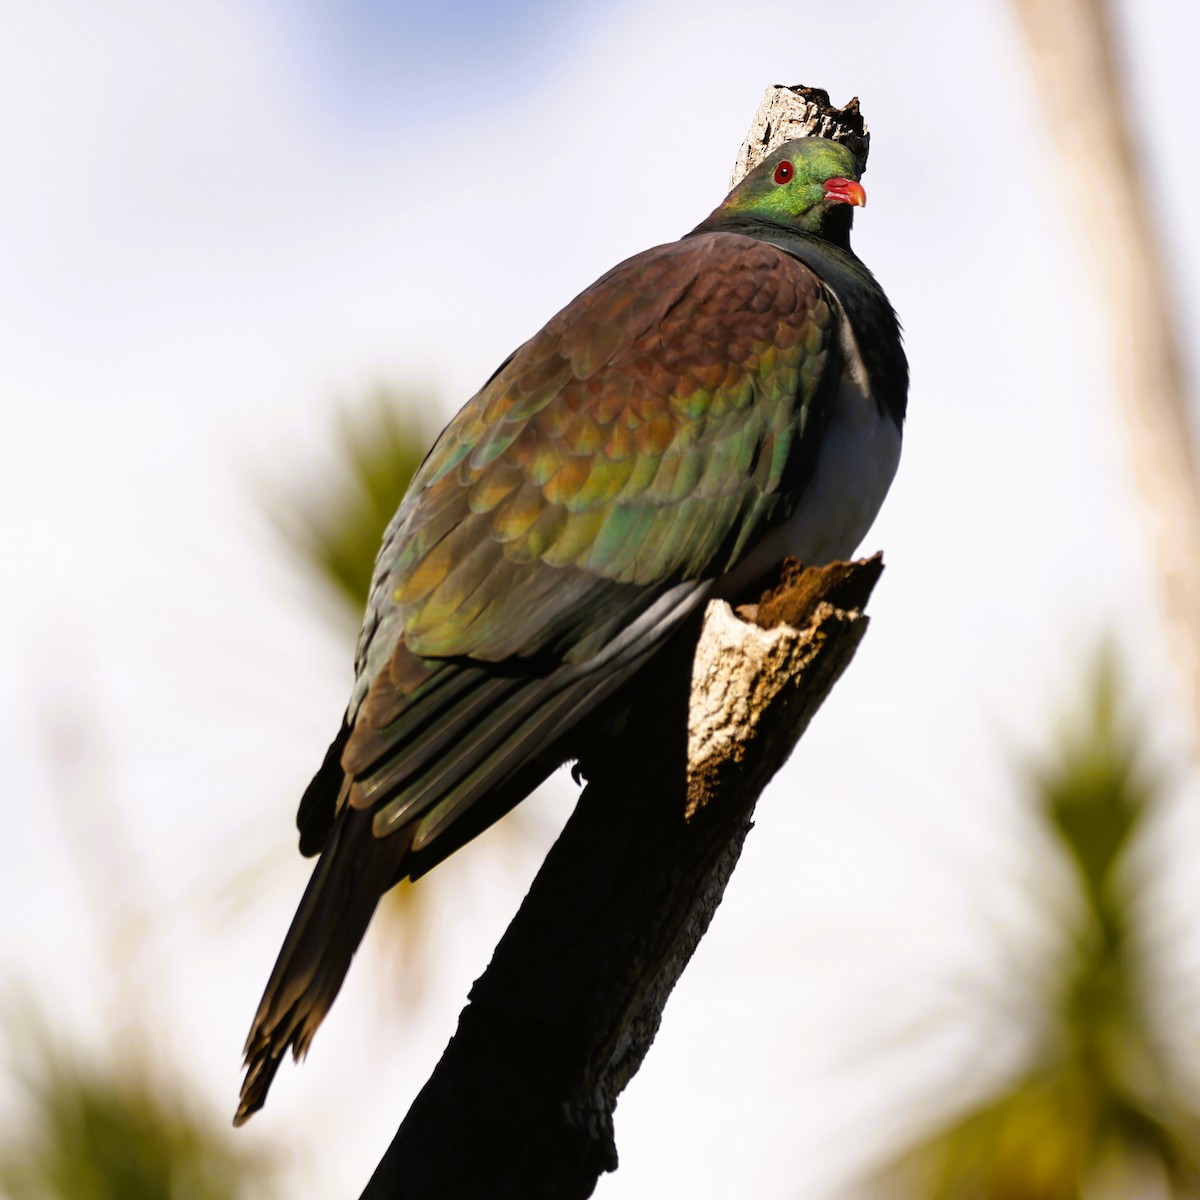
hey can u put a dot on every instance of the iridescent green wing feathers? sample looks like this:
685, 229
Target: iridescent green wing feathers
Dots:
578, 507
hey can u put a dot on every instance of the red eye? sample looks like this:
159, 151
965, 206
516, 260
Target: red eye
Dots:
784, 172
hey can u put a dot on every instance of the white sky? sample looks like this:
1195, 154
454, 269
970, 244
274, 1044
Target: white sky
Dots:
213, 226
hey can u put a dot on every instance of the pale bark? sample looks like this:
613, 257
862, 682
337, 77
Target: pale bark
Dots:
796, 111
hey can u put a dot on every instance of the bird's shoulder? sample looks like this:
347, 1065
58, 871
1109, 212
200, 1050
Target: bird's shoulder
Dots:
665, 336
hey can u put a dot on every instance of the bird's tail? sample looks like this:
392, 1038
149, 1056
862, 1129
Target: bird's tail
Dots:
353, 872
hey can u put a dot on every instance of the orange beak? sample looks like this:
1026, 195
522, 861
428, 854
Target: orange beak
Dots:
845, 191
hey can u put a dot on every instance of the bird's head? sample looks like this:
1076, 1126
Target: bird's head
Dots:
810, 184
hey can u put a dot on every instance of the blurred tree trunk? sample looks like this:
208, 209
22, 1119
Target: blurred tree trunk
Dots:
1077, 69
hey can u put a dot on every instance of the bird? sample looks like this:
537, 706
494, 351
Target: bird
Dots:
703, 410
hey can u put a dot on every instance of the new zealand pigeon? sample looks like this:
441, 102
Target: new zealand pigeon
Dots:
703, 410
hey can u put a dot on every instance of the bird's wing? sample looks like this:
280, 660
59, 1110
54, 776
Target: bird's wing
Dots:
575, 511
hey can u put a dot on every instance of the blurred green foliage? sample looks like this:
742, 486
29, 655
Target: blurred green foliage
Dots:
128, 1128
1099, 1109
335, 528
115, 1131
126, 1122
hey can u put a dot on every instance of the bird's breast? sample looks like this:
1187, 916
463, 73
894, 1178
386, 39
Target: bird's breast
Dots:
855, 465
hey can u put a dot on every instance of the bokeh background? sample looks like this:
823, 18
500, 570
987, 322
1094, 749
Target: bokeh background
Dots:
253, 252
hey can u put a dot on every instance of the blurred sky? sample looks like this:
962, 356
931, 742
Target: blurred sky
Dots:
219, 218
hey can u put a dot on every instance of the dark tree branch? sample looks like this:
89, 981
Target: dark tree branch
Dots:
521, 1104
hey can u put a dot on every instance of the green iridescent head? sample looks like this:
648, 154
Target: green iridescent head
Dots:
810, 184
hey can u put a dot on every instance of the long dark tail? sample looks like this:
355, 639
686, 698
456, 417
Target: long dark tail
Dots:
353, 872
